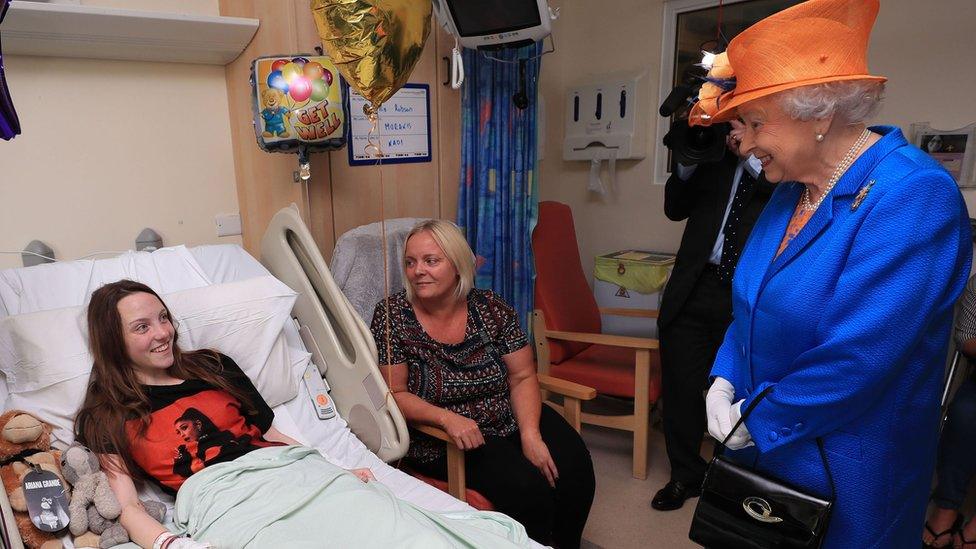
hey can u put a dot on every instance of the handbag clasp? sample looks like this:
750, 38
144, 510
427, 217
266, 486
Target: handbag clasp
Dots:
760, 509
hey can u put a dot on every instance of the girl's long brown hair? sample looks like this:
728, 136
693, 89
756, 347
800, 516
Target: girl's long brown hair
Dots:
115, 395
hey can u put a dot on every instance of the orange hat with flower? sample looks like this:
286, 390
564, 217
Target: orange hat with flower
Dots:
811, 43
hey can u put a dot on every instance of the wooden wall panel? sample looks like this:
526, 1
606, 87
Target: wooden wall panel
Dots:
448, 144
339, 197
410, 189
320, 217
265, 181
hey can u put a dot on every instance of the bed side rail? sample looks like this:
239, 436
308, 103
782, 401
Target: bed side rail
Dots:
335, 335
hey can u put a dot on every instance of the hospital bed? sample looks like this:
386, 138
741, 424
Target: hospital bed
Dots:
321, 329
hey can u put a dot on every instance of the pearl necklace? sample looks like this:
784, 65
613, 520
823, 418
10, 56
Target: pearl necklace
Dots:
839, 171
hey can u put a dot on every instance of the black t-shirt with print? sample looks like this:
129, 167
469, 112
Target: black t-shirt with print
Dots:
194, 424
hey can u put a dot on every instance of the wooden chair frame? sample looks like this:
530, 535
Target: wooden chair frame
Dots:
638, 422
572, 393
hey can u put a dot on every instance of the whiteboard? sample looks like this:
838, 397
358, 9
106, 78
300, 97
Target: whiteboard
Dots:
403, 131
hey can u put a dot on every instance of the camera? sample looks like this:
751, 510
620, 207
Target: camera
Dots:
691, 144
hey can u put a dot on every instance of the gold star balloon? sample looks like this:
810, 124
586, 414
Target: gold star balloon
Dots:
375, 44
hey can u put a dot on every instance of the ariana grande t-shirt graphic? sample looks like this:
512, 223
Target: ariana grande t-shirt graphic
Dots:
210, 443
197, 425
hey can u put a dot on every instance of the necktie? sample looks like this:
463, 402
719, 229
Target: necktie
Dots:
730, 247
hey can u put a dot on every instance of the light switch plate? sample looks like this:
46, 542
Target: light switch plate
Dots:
228, 224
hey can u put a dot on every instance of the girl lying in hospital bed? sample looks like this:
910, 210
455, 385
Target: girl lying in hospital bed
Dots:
194, 424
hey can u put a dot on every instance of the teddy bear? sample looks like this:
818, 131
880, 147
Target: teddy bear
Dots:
274, 114
21, 434
94, 507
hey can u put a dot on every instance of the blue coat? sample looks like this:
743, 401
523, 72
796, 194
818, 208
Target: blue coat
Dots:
850, 325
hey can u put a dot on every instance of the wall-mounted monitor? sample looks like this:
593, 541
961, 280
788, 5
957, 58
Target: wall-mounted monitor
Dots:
488, 24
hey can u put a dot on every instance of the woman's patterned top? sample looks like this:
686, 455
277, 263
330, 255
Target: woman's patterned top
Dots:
468, 378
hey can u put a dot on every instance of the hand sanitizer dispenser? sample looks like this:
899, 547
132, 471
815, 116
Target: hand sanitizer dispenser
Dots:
602, 124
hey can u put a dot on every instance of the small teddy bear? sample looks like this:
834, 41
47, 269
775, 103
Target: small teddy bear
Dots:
93, 505
24, 438
274, 114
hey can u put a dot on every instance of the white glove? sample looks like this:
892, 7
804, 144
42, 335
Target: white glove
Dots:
718, 408
741, 438
168, 540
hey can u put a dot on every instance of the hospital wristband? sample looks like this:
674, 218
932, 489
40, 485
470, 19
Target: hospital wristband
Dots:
164, 539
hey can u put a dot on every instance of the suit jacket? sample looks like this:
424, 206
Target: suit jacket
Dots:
850, 326
702, 200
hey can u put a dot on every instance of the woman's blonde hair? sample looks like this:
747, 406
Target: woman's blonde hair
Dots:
448, 236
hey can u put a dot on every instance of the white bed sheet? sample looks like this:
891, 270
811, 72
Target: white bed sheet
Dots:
179, 268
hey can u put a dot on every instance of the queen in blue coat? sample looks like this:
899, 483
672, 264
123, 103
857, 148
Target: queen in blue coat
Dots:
844, 293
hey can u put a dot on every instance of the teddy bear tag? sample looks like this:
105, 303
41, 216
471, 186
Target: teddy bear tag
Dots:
47, 503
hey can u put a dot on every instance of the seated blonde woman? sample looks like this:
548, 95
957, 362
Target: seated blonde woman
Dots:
461, 362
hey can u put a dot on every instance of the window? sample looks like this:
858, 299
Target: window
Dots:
691, 26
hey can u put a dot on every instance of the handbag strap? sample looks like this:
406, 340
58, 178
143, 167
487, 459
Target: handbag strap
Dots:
820, 445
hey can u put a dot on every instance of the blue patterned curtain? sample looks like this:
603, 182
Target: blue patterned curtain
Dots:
498, 201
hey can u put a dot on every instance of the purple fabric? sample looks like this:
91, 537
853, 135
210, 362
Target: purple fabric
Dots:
9, 124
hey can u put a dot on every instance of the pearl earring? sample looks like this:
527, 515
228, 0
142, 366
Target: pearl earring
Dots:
820, 137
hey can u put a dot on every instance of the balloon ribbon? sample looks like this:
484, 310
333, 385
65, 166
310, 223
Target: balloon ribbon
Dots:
373, 147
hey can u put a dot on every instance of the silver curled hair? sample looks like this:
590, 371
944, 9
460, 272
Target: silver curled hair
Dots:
854, 101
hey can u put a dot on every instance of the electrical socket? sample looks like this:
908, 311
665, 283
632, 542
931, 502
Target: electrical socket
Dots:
228, 224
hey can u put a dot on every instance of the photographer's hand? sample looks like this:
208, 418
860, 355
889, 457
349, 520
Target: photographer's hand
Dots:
734, 139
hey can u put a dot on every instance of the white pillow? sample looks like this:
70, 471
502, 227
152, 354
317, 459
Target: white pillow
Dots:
43, 348
46, 360
70, 283
243, 320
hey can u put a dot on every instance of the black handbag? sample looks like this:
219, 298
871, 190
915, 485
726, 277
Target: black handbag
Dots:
740, 508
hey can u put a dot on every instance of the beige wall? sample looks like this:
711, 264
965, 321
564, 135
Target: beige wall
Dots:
916, 44
110, 147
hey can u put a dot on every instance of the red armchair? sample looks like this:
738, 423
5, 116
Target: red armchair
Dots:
568, 341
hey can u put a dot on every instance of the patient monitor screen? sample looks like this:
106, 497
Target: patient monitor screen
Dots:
480, 17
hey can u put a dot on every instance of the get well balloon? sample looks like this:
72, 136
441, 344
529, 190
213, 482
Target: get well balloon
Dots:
375, 43
294, 113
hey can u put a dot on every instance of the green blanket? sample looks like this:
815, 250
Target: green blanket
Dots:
290, 496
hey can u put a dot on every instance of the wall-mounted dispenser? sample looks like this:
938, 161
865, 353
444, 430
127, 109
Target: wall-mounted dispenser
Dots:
602, 123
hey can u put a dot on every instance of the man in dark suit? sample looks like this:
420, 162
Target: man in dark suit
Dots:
721, 201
